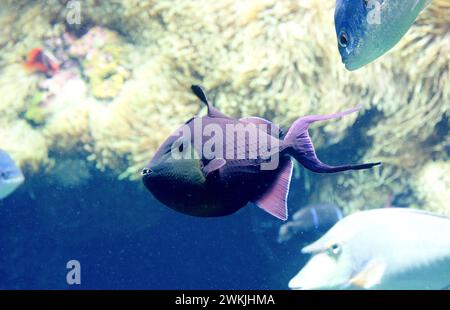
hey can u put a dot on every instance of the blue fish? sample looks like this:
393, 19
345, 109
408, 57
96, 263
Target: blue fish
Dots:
310, 223
11, 176
367, 29
384, 249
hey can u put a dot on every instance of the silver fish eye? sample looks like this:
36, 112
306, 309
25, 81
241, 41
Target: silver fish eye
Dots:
366, 2
343, 39
334, 250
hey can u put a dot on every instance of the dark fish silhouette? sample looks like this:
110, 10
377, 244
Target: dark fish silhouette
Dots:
310, 223
185, 178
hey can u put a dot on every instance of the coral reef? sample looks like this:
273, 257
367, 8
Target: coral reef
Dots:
26, 146
432, 186
103, 56
130, 65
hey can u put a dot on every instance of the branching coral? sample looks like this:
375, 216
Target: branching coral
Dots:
432, 185
68, 131
16, 89
420, 98
27, 146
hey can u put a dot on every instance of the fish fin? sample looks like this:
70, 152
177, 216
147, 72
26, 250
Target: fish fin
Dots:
300, 146
275, 131
274, 200
371, 275
212, 111
213, 165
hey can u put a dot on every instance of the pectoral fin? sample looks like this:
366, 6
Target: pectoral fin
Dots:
213, 165
371, 275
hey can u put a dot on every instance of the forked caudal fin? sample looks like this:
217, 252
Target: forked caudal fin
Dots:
300, 146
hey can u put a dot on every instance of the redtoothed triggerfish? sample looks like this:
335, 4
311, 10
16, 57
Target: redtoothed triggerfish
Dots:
42, 61
366, 29
310, 223
389, 249
11, 176
215, 164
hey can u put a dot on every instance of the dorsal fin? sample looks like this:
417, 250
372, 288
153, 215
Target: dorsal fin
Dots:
212, 111
200, 93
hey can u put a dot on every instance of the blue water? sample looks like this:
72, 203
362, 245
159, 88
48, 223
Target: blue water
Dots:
120, 245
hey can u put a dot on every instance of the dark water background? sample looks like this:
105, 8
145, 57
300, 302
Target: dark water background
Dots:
126, 240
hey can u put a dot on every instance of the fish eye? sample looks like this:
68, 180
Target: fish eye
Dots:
181, 148
146, 171
343, 39
366, 2
334, 250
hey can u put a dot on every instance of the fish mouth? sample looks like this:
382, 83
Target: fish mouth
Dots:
298, 287
351, 67
15, 180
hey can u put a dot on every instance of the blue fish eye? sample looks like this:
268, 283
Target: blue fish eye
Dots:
4, 175
343, 39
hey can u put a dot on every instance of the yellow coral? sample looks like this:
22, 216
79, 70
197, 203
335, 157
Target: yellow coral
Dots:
27, 146
432, 185
17, 88
68, 131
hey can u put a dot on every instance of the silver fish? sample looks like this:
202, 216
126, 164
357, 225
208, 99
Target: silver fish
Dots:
390, 248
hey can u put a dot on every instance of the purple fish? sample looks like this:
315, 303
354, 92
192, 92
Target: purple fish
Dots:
215, 165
